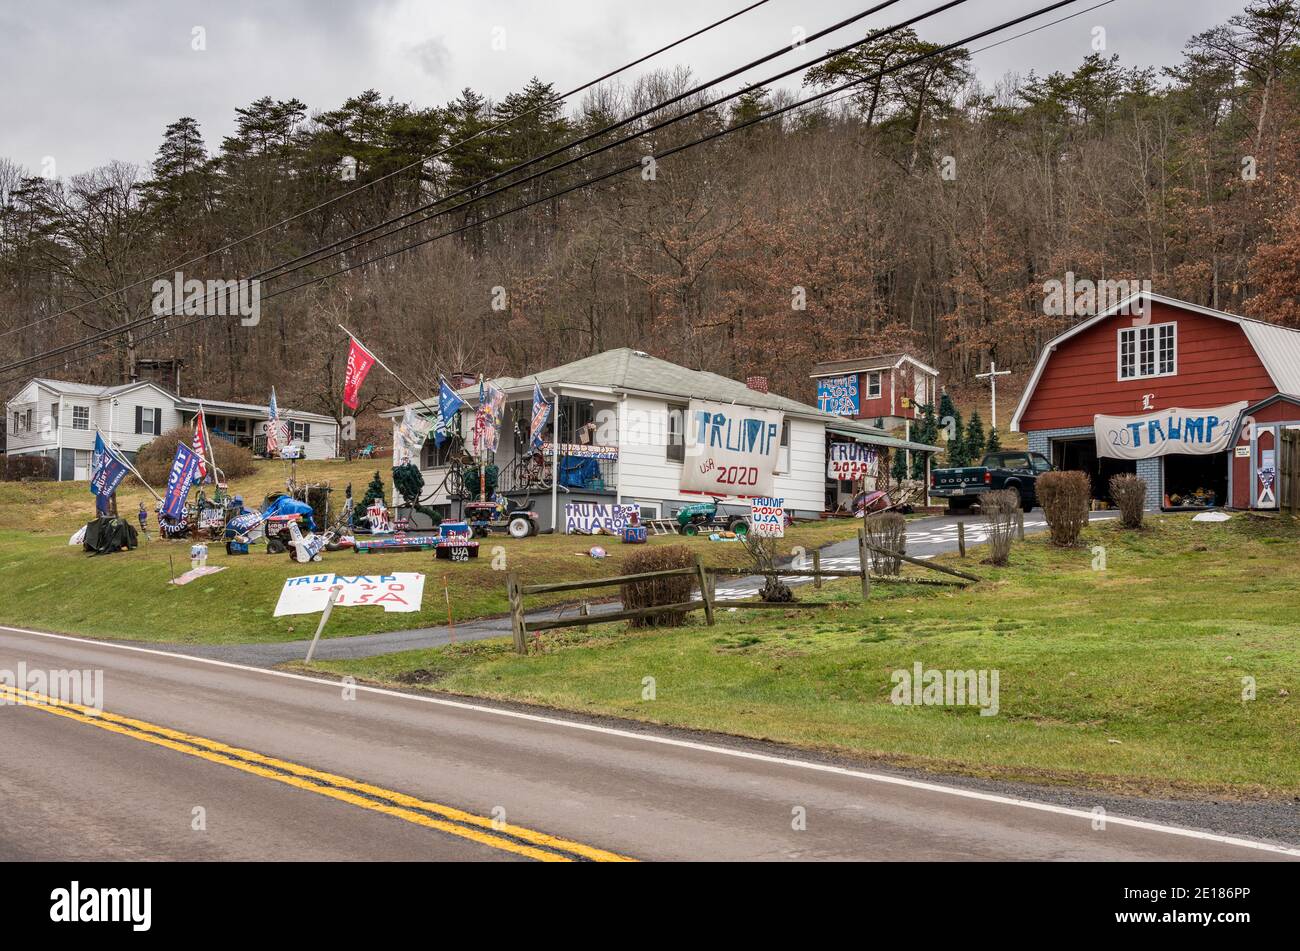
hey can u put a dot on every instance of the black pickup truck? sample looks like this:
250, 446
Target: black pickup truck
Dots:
1017, 470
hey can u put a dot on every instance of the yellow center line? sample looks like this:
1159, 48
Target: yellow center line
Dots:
341, 788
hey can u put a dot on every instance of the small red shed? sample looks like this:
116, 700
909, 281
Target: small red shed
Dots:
1188, 397
890, 387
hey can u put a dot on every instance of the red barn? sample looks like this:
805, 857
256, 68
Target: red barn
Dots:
1189, 398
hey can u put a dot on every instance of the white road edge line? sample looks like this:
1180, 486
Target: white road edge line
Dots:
691, 745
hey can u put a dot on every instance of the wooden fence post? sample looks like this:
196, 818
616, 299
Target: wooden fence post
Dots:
516, 611
1020, 523
862, 563
817, 567
705, 594
961, 539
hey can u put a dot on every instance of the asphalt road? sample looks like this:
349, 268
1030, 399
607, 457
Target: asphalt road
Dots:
926, 537
279, 766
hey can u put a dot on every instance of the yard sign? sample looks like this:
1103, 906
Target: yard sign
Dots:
309, 594
767, 517
839, 395
581, 518
850, 460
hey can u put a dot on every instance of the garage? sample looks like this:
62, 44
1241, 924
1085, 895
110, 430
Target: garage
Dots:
1080, 455
1195, 481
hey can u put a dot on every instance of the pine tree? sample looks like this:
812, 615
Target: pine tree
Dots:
994, 443
974, 438
898, 471
926, 432
375, 490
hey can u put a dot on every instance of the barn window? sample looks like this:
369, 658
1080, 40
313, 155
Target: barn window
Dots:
1148, 351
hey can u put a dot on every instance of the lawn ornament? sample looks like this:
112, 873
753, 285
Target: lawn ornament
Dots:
502, 515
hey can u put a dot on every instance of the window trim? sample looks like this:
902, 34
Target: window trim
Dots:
1135, 332
679, 456
85, 422
879, 384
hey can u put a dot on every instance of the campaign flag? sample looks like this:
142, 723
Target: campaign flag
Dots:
449, 404
200, 443
541, 413
273, 440
360, 360
487, 419
410, 435
179, 479
108, 469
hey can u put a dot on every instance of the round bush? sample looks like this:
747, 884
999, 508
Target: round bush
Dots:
1129, 493
154, 460
1065, 497
659, 591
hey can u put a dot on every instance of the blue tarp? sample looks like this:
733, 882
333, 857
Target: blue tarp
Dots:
287, 506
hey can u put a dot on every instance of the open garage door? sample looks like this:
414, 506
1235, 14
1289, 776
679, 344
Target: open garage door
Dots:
1080, 455
1195, 481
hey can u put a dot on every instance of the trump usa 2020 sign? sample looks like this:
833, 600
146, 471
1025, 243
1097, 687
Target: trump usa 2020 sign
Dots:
731, 450
1193, 431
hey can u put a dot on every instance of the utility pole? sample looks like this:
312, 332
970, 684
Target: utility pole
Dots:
992, 377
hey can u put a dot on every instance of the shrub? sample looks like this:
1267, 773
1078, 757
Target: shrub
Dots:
886, 530
1065, 497
1130, 494
647, 594
28, 468
154, 460
764, 552
1001, 511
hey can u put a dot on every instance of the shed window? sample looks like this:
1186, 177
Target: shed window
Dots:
1148, 351
873, 386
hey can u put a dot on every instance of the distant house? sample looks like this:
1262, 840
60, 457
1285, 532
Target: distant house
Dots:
889, 387
58, 419
608, 405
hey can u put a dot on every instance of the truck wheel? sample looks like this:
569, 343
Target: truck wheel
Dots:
519, 528
739, 527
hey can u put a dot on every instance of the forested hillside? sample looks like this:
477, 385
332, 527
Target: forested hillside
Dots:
920, 210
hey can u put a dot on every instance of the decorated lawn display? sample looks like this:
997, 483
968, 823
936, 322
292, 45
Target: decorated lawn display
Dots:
401, 541
500, 514
375, 490
456, 542
409, 484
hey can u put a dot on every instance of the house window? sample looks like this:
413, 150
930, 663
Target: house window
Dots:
81, 417
873, 386
676, 448
783, 454
22, 422
432, 455
1148, 351
301, 431
148, 420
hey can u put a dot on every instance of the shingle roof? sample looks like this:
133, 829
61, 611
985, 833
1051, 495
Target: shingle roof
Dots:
882, 361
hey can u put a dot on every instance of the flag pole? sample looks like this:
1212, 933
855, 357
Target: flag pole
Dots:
108, 447
408, 389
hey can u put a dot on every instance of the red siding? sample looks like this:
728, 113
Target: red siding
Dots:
1216, 365
1243, 493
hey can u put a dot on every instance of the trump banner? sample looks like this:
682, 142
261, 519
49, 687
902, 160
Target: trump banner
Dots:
360, 361
541, 412
730, 450
179, 479
1197, 432
839, 395
767, 517
108, 470
848, 461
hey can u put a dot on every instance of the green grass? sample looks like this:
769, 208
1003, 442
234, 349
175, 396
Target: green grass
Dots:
1128, 678
53, 586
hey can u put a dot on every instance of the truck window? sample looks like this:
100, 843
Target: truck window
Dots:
1015, 460
1041, 464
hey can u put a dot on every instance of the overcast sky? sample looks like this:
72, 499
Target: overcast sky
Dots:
87, 81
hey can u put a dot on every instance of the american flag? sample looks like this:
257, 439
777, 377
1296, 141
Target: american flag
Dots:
273, 426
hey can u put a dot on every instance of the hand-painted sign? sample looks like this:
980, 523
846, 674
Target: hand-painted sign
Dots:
839, 395
850, 460
581, 451
1197, 432
582, 518
730, 450
767, 517
308, 594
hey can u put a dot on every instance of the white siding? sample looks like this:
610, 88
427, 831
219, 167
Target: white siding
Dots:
117, 418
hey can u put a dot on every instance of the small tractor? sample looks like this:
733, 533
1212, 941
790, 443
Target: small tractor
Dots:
697, 516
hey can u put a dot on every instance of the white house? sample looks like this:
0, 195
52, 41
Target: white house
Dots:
58, 419
633, 406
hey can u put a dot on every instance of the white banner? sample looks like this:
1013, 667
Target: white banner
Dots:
767, 517
581, 518
850, 460
1197, 432
308, 594
731, 450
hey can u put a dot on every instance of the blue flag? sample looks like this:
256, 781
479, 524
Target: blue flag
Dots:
179, 479
449, 404
107, 469
541, 413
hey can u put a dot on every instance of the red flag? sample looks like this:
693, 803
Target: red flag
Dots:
200, 444
360, 360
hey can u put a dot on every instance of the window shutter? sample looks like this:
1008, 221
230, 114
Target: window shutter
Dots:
306, 432
139, 419
157, 422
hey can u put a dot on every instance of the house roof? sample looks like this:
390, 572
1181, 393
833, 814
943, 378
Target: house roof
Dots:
191, 404
884, 361
1277, 347
634, 371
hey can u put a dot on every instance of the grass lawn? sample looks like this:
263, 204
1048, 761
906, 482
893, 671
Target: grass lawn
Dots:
1128, 678
53, 586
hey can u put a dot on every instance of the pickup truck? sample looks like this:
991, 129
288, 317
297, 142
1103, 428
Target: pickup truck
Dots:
997, 470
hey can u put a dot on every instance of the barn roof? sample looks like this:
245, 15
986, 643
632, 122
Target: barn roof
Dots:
1277, 347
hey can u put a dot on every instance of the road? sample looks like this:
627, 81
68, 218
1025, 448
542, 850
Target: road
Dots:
193, 758
926, 537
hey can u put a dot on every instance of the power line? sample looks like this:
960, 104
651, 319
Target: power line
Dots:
268, 272
406, 168
657, 156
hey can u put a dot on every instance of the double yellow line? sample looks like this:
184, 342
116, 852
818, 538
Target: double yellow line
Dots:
498, 835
